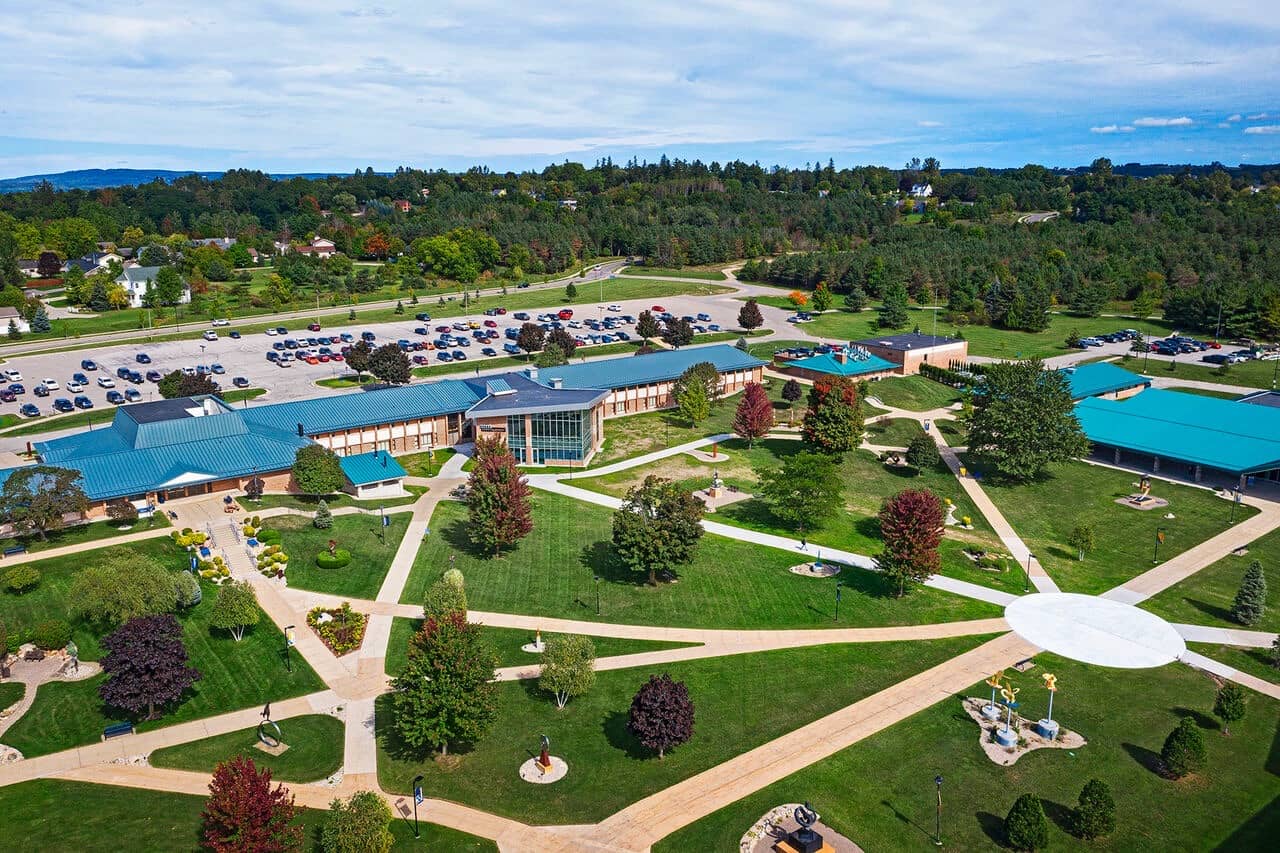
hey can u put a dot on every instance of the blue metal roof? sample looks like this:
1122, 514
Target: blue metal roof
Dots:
364, 468
826, 363
365, 408
525, 396
1223, 434
1090, 380
613, 373
498, 386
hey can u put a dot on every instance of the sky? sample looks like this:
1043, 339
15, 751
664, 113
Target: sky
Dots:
321, 85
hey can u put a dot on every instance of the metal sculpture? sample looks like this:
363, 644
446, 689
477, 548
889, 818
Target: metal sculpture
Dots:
1009, 698
266, 739
994, 683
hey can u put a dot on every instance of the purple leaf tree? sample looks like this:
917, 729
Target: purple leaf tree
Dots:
146, 664
661, 714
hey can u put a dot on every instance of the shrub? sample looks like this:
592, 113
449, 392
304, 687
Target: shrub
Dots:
51, 634
443, 598
1095, 816
256, 521
1183, 751
922, 453
344, 632
269, 536
323, 519
360, 823
21, 579
1026, 827
188, 590
337, 560
454, 577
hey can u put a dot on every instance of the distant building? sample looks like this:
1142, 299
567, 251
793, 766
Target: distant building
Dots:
401, 204
92, 262
137, 281
571, 203
222, 243
11, 315
1105, 380
319, 247
912, 350
852, 362
29, 268
921, 190
425, 192
498, 193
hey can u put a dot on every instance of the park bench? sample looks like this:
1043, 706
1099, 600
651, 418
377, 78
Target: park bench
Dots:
15, 549
116, 730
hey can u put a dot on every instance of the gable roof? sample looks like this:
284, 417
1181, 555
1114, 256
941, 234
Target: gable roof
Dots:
139, 275
666, 365
364, 468
519, 395
825, 362
1102, 377
1224, 434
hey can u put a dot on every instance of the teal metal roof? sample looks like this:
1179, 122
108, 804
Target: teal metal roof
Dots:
1224, 434
1090, 380
827, 363
613, 373
366, 408
364, 468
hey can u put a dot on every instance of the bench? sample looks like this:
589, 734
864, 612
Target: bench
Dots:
15, 549
116, 730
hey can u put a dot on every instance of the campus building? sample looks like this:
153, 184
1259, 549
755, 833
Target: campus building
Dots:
1104, 380
185, 447
856, 364
909, 351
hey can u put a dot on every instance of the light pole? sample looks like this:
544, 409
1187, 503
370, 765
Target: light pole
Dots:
1155, 554
1026, 574
597, 579
1235, 499
417, 798
288, 643
937, 836
838, 587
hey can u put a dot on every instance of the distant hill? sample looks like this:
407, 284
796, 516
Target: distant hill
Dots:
93, 179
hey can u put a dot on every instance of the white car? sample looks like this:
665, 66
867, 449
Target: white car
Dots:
51, 384
210, 335
222, 322
188, 371
285, 362
74, 387
13, 375
271, 332
106, 382
615, 307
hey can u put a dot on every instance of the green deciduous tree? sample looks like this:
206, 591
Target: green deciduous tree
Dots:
822, 297
568, 667
445, 692
803, 492
1095, 812
1251, 599
235, 609
1229, 705
317, 471
120, 585
37, 498
358, 824
444, 597
1024, 421
552, 355
922, 453
647, 325
1081, 539
390, 365
657, 527
178, 384
1026, 827
692, 404
833, 422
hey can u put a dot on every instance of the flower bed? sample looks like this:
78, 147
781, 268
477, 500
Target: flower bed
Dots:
341, 628
273, 561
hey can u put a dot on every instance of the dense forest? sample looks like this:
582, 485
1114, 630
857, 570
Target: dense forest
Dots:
1200, 244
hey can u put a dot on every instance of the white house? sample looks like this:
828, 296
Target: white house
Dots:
11, 315
319, 247
137, 280
571, 203
921, 190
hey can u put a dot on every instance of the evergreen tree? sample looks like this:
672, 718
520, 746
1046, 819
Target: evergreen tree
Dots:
1229, 705
570, 290
892, 313
855, 299
1251, 598
324, 518
40, 321
1026, 827
1183, 751
822, 298
14, 333
1095, 813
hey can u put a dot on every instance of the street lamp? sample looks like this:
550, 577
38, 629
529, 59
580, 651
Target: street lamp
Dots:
288, 644
597, 579
937, 837
417, 798
1155, 554
1026, 575
839, 585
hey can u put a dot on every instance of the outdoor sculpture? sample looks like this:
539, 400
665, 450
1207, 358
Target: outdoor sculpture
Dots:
1009, 697
1047, 728
804, 839
333, 547
991, 712
544, 757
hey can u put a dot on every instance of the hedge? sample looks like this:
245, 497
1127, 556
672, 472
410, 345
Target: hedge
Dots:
51, 634
20, 579
337, 560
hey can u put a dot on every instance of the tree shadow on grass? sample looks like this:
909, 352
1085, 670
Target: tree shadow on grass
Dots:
906, 819
619, 737
1146, 758
599, 559
993, 826
1062, 816
1210, 609
1200, 718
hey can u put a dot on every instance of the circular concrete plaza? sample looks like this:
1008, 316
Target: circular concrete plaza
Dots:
1095, 630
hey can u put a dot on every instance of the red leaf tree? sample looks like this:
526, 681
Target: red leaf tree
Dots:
661, 714
911, 524
754, 417
498, 505
833, 423
146, 665
245, 815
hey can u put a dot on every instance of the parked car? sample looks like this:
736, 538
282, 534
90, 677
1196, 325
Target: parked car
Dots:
51, 384
281, 331
235, 335
512, 349
142, 358
154, 376
520, 315
422, 318
73, 387
313, 327
442, 355
40, 391
88, 364
1217, 358
459, 355
271, 333
115, 398
29, 410
133, 395
217, 368
8, 396
12, 375
489, 351
210, 335
18, 388
62, 404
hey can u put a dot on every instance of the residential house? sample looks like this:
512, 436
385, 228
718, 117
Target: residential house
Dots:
401, 204
319, 247
11, 315
29, 268
571, 203
498, 193
137, 280
921, 190
222, 243
426, 193
93, 262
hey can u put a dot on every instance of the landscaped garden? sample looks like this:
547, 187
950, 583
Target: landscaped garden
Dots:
729, 584
740, 702
314, 740
361, 536
880, 792
915, 393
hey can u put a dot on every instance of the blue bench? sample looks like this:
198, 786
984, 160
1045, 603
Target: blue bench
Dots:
116, 730
16, 549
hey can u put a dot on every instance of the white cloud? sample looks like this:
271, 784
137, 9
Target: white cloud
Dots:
1263, 129
1112, 128
928, 123
1233, 117
1155, 121
1259, 116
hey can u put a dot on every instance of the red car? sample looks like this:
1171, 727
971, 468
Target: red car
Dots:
337, 356
313, 327
444, 329
1213, 345
500, 310
565, 314
658, 309
491, 324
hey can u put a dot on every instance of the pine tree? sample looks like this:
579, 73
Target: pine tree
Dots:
40, 320
1026, 827
754, 416
1183, 751
324, 518
1095, 814
892, 313
1251, 599
570, 291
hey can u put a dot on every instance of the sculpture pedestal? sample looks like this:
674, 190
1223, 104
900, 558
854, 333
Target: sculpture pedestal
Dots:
802, 841
991, 712
1047, 729
534, 648
1006, 737
532, 771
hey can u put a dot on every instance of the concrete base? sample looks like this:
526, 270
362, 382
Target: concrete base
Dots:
533, 772
1047, 729
991, 712
1006, 737
534, 648
272, 750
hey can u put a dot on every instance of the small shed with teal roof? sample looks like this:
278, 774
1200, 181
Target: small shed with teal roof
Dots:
373, 475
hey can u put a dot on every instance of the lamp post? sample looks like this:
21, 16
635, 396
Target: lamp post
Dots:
417, 798
597, 580
288, 644
1026, 574
1235, 499
937, 835
839, 585
1155, 554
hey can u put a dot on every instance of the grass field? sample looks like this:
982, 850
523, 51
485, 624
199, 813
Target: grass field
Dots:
730, 584
1045, 512
426, 463
506, 642
880, 792
308, 504
11, 692
1206, 597
609, 768
1256, 662
95, 531
157, 822
1205, 392
708, 275
314, 741
347, 381
239, 395
359, 534
914, 393
894, 432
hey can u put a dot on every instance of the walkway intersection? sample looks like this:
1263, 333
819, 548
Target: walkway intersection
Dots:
1104, 630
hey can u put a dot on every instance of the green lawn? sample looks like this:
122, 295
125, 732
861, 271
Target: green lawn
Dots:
730, 584
1044, 513
234, 675
895, 432
1256, 662
915, 393
1206, 597
96, 531
1205, 392
44, 423
741, 702
315, 744
239, 395
156, 822
11, 692
427, 463
308, 503
956, 434
359, 534
880, 792
506, 643
766, 349
347, 381
709, 275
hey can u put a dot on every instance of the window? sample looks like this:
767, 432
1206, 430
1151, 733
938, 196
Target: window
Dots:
515, 437
552, 435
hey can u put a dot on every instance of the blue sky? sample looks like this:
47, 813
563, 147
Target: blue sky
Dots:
309, 86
